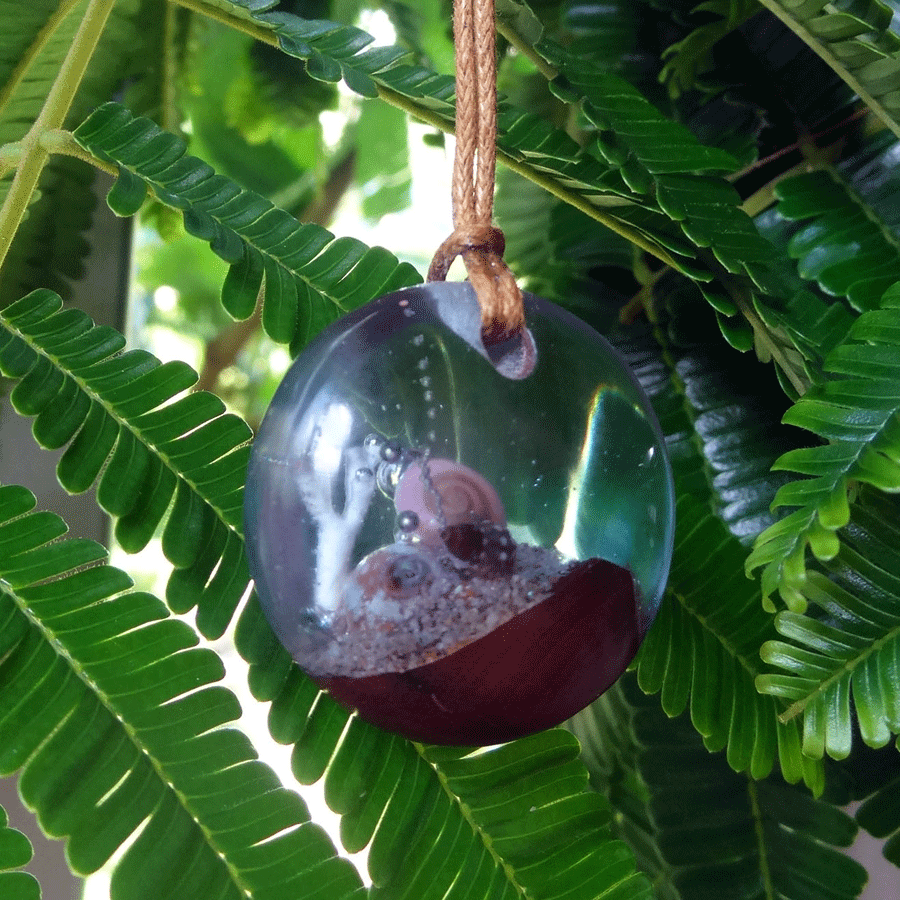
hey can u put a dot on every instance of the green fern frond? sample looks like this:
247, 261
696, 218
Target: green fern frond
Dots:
691, 57
15, 852
838, 666
844, 247
122, 733
702, 653
653, 152
311, 277
734, 410
633, 135
507, 817
241, 8
188, 442
880, 817
504, 791
855, 39
117, 416
696, 824
811, 327
856, 415
50, 246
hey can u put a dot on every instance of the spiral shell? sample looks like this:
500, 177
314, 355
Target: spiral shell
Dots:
443, 493
396, 572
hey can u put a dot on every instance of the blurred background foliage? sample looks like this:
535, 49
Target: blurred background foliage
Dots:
258, 117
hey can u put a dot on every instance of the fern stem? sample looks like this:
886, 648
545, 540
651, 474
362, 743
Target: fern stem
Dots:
526, 49
573, 199
466, 811
31, 54
167, 108
764, 868
438, 121
819, 48
51, 117
763, 334
239, 23
58, 140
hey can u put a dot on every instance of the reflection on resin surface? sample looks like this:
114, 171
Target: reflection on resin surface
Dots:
411, 496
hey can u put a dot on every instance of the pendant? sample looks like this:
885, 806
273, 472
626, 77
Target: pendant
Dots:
465, 544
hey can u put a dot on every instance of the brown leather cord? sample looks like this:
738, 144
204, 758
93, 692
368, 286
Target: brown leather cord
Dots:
474, 238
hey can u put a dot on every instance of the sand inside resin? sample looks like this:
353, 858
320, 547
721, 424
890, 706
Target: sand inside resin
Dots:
384, 633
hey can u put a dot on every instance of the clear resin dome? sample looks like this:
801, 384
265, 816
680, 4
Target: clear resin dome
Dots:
465, 546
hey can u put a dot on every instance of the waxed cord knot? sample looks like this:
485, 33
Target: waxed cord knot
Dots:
474, 237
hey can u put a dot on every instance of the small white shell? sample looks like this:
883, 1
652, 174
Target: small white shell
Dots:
399, 572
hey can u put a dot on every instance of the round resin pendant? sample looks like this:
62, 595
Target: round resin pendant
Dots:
465, 545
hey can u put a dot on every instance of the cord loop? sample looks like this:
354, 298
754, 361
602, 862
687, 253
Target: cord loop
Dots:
480, 244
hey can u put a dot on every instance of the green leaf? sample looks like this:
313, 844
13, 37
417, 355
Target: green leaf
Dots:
132, 735
382, 159
660, 157
242, 284
733, 410
516, 819
155, 446
692, 56
15, 852
301, 262
660, 145
842, 245
702, 652
695, 824
858, 44
127, 194
845, 647
855, 413
35, 38
880, 816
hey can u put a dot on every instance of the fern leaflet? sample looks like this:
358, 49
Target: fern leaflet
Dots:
15, 852
857, 42
838, 663
311, 277
880, 816
123, 732
696, 824
856, 414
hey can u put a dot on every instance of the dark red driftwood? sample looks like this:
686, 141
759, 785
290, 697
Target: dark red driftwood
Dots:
531, 673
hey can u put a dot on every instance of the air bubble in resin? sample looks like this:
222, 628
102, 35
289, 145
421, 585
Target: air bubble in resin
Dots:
466, 556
